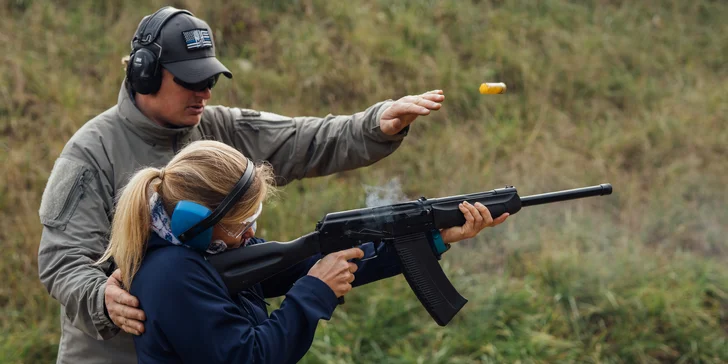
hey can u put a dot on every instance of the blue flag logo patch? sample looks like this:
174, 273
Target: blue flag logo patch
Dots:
197, 39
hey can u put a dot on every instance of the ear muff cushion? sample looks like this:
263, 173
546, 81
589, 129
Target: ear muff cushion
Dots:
145, 76
144, 72
186, 214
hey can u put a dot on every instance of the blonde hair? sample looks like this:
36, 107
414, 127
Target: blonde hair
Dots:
203, 172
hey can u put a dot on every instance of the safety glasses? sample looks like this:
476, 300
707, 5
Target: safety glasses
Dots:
245, 226
199, 86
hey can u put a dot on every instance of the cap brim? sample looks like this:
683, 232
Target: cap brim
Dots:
197, 70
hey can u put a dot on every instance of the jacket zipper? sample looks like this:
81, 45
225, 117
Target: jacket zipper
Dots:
261, 299
246, 306
256, 124
74, 196
174, 144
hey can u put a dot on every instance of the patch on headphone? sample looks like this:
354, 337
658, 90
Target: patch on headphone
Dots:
197, 39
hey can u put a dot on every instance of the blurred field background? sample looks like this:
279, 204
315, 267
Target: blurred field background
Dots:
634, 93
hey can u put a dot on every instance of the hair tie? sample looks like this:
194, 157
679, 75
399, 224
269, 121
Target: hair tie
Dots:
161, 173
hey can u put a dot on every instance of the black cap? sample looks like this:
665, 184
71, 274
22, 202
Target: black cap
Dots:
188, 49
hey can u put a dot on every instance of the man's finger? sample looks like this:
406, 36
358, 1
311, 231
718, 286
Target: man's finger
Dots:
353, 267
133, 325
124, 298
400, 108
410, 108
130, 330
132, 313
426, 101
117, 275
434, 97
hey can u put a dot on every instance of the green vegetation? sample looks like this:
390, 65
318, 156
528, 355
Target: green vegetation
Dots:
631, 93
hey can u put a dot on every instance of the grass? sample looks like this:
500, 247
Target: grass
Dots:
631, 93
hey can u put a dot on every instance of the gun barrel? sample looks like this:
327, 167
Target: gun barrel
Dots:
602, 189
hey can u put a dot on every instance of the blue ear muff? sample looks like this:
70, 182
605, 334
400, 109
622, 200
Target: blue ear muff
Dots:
186, 215
192, 223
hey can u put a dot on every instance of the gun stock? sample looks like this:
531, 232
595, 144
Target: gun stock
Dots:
243, 267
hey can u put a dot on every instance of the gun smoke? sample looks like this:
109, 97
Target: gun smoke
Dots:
388, 194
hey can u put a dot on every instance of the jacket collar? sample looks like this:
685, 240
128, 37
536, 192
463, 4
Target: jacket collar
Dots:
149, 131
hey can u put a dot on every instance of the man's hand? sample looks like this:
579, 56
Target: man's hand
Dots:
476, 218
405, 110
122, 306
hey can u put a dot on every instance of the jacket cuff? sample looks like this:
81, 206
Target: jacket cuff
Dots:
102, 321
376, 130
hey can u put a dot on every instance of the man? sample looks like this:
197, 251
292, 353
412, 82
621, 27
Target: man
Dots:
162, 106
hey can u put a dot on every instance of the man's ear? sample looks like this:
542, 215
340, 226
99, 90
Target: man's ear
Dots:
125, 62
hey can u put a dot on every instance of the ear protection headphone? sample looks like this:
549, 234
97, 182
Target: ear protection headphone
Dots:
143, 71
192, 223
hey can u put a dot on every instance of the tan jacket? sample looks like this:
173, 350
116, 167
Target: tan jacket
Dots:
78, 201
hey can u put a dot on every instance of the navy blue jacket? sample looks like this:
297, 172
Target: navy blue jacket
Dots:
192, 319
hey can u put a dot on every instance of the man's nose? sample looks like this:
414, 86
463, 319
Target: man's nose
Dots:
204, 94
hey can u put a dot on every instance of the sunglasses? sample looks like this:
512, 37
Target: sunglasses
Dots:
199, 86
245, 226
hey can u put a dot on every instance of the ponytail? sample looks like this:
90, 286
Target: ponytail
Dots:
131, 224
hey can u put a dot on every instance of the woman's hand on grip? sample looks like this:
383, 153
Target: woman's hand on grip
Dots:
336, 271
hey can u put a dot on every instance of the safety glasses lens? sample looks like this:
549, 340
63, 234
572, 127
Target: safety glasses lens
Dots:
199, 86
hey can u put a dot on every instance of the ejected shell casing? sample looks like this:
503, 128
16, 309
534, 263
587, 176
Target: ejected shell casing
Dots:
493, 88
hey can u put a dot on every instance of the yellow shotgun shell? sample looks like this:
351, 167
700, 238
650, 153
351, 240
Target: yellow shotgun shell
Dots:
493, 88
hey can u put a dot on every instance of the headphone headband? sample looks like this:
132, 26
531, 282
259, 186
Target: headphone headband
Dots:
227, 203
154, 23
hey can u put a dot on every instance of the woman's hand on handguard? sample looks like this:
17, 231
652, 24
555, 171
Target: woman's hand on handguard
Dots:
336, 271
477, 218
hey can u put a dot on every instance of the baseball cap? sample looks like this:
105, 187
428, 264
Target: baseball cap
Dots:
188, 49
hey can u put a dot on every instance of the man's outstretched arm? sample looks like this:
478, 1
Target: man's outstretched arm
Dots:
303, 147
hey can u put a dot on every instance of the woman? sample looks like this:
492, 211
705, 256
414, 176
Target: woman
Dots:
190, 315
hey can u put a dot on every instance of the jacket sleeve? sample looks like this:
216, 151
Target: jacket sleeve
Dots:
74, 213
385, 265
303, 147
215, 330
